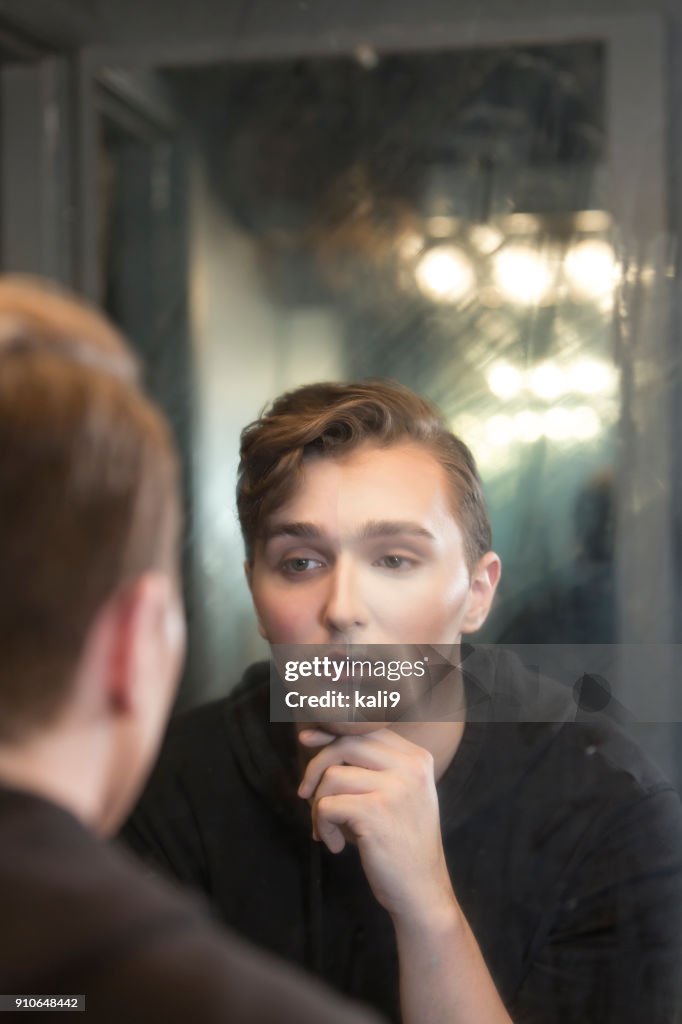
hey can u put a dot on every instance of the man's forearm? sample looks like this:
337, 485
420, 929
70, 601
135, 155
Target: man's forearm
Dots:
443, 976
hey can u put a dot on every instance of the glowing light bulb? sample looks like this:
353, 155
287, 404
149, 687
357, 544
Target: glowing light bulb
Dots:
504, 380
486, 238
445, 274
523, 275
591, 269
592, 220
558, 424
527, 426
592, 377
586, 423
546, 381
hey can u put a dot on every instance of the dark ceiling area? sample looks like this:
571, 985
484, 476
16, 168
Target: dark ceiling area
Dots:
329, 164
159, 24
283, 134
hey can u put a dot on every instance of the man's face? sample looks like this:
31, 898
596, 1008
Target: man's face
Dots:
367, 551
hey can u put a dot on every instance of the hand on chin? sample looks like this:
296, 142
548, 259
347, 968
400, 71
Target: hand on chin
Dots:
335, 729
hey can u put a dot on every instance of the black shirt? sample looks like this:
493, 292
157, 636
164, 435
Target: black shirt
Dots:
564, 846
79, 917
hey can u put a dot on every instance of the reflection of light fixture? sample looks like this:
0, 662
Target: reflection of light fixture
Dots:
591, 269
586, 423
546, 381
440, 226
410, 245
550, 380
521, 223
490, 297
592, 377
558, 424
527, 426
580, 423
366, 56
504, 381
523, 274
445, 273
495, 439
592, 220
499, 430
486, 238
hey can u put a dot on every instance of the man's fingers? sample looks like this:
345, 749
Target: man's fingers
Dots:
361, 751
340, 779
329, 834
311, 737
334, 815
346, 778
315, 737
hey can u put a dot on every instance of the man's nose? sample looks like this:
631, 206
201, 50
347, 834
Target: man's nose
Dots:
344, 610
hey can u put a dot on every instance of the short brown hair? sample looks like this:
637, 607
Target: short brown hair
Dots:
330, 420
88, 490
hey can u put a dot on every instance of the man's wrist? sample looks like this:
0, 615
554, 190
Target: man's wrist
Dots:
439, 919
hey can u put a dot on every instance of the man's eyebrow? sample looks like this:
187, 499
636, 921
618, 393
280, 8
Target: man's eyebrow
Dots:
372, 530
394, 528
308, 531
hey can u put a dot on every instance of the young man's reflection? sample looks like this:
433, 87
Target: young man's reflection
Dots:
463, 871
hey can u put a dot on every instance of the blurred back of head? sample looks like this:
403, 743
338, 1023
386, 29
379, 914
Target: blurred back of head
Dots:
88, 491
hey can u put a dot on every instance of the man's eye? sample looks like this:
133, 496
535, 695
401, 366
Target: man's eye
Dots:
395, 562
298, 566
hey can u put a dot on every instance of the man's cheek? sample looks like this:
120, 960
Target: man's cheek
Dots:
288, 626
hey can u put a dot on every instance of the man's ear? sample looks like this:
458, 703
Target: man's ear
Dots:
248, 572
484, 580
147, 634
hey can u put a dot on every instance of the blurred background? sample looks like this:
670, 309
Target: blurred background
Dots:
480, 202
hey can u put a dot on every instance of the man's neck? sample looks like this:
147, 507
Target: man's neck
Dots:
47, 768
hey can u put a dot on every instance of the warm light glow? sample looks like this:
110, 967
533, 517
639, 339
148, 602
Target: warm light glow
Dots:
410, 245
586, 423
491, 438
467, 427
445, 274
499, 430
546, 381
558, 424
550, 380
504, 380
592, 377
366, 56
523, 275
522, 223
441, 226
592, 220
486, 238
527, 426
490, 297
591, 269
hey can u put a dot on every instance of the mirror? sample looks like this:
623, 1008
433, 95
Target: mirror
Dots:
454, 218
